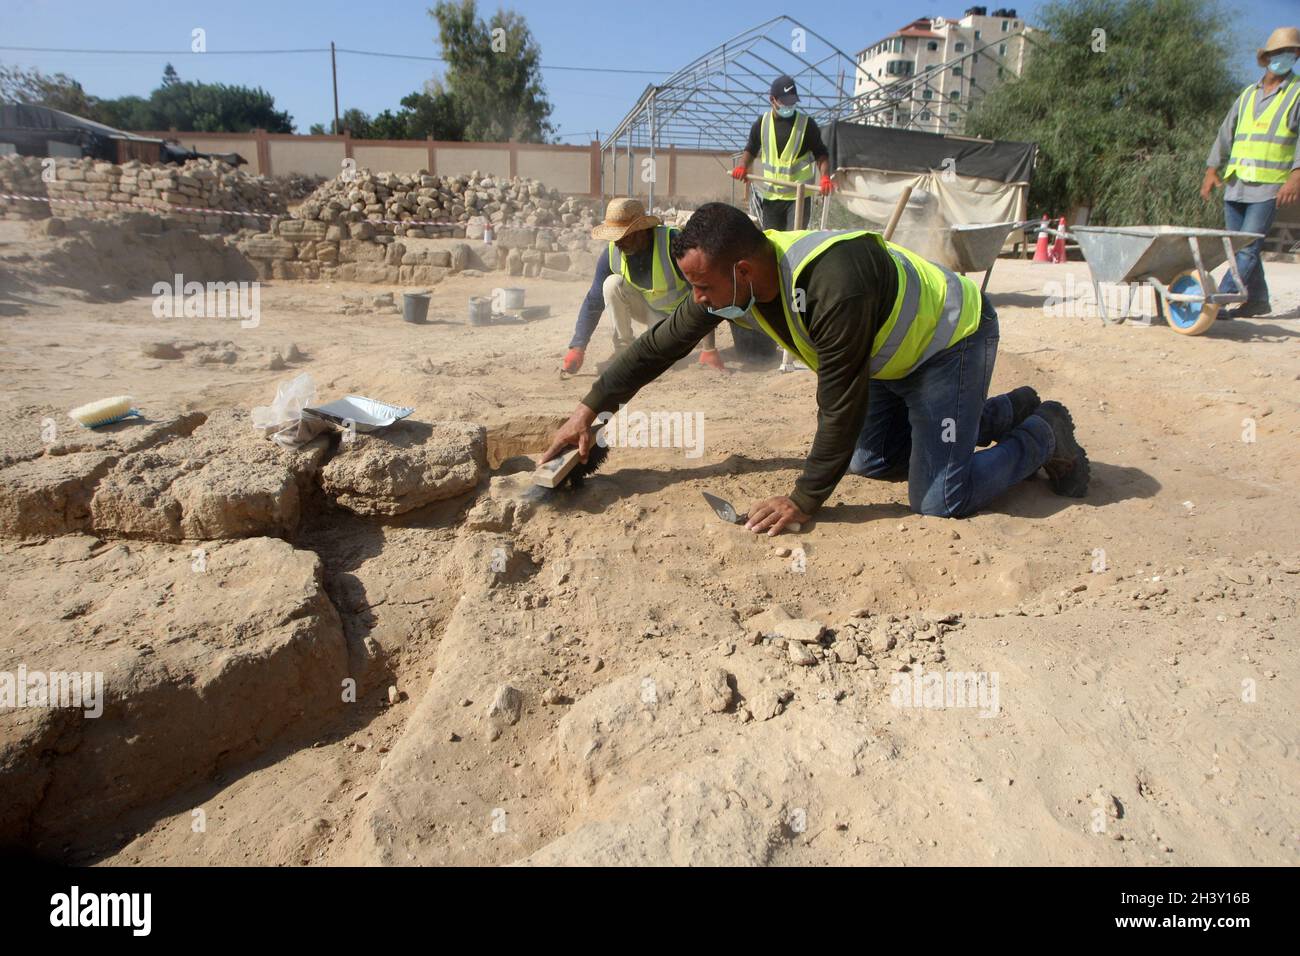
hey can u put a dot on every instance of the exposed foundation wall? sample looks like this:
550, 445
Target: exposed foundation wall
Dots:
205, 194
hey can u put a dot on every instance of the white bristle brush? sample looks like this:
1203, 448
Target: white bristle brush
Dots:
106, 411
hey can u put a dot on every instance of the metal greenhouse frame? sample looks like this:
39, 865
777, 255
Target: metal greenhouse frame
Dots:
711, 102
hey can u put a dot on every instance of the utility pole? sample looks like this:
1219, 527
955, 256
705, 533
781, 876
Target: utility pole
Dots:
334, 69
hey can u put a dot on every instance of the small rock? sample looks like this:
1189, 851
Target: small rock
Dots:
882, 641
1108, 802
782, 552
766, 705
161, 350
394, 695
800, 629
550, 697
715, 688
597, 664
800, 654
507, 704
845, 651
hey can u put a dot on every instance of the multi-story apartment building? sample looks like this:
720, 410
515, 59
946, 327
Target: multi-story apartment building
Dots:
927, 75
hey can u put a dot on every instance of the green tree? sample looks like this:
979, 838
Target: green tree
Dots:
432, 112
57, 91
1123, 119
493, 73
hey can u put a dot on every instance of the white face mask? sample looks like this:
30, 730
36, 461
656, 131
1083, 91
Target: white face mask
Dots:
734, 311
1281, 64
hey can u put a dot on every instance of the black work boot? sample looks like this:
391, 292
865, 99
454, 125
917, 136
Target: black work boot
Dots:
1067, 468
1023, 402
1248, 310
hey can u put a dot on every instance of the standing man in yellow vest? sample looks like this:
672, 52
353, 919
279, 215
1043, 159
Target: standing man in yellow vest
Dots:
1259, 138
787, 144
903, 350
636, 279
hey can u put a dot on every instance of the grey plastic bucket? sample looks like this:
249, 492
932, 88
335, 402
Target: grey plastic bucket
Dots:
509, 298
480, 310
415, 307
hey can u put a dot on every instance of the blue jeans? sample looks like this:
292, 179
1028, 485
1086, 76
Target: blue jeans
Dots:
932, 420
1249, 217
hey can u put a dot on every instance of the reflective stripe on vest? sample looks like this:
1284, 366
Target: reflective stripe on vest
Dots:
934, 307
667, 287
1263, 147
791, 163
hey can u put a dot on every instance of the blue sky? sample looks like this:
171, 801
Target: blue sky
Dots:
605, 34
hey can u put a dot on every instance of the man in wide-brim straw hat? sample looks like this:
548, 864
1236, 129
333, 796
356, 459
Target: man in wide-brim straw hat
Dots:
636, 279
1259, 138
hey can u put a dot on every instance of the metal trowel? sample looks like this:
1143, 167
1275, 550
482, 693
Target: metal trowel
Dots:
724, 510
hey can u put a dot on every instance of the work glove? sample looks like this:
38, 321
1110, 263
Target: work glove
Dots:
573, 360
826, 186
740, 172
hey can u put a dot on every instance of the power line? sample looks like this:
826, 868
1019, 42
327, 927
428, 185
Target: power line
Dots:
378, 53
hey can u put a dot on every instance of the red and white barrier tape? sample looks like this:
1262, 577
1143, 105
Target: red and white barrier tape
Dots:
212, 212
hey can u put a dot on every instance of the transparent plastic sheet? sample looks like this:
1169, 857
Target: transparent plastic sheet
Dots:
282, 421
865, 199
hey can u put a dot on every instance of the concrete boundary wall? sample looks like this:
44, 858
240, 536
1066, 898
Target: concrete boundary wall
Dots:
688, 175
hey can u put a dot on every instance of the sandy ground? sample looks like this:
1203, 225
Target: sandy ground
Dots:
1147, 711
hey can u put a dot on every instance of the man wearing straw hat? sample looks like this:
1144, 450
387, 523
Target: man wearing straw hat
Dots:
1259, 138
636, 279
787, 143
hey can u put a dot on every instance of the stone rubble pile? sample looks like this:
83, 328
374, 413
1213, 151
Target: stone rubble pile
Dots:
391, 200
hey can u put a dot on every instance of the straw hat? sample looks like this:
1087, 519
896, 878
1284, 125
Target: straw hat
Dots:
1283, 38
622, 216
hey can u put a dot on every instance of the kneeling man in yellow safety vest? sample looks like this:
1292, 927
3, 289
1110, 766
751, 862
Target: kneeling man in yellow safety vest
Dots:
636, 280
903, 350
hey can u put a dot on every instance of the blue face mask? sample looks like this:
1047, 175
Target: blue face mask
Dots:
785, 112
1282, 64
734, 311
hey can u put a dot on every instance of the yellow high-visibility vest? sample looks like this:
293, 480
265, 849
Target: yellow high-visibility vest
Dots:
667, 288
792, 163
1263, 147
934, 308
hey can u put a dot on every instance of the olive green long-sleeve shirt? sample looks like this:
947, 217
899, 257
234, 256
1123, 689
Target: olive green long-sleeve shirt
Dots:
849, 291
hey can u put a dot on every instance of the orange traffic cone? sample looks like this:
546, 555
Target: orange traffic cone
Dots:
1040, 250
1058, 246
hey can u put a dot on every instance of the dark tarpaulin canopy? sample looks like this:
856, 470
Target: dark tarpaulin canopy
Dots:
30, 128
854, 145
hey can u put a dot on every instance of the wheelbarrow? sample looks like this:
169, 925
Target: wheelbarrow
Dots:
977, 245
1173, 260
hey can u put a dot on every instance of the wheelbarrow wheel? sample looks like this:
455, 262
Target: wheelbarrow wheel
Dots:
1190, 318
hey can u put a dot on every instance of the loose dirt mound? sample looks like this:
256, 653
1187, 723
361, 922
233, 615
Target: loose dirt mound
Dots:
207, 656
115, 259
50, 468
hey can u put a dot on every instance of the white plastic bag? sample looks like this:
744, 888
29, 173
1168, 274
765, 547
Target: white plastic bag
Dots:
281, 420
